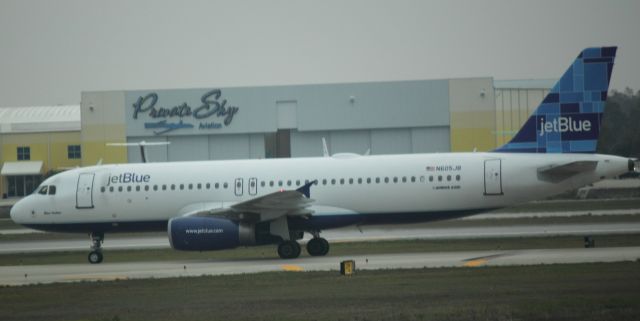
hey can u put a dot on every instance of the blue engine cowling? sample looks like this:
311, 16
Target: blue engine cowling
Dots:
208, 234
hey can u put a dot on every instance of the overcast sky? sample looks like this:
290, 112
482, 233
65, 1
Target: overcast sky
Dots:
50, 51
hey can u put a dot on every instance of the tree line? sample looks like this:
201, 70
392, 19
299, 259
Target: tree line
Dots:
620, 127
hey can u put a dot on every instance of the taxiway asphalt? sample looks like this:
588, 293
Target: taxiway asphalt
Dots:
22, 275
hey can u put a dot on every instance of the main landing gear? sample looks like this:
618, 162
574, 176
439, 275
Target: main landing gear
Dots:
317, 246
95, 256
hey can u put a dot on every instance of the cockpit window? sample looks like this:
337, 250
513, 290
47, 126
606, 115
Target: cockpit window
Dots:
43, 190
52, 190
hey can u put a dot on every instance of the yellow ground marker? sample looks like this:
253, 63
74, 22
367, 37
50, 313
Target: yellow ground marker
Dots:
292, 268
476, 262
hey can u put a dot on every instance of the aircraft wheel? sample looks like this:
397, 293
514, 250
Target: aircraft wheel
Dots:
95, 257
318, 246
289, 250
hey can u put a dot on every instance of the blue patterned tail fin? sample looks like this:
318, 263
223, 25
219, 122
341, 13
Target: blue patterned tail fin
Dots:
568, 119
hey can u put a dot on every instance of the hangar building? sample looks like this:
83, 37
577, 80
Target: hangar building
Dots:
415, 116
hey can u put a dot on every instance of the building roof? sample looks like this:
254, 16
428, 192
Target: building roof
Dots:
524, 83
35, 119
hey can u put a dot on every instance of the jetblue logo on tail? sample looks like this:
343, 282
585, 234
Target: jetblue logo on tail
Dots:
563, 125
568, 119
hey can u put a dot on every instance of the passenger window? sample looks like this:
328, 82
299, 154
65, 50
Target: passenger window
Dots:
102, 189
431, 178
350, 180
413, 179
342, 181
155, 187
271, 183
439, 178
457, 177
368, 180
333, 181
422, 179
199, 186
146, 187
129, 188
119, 188
297, 182
377, 180
225, 185
289, 183
190, 186
324, 181
217, 185
449, 178
52, 190
360, 180
262, 184
43, 190
110, 188
181, 186
208, 185
404, 179
386, 179
173, 187
279, 183
164, 187
395, 179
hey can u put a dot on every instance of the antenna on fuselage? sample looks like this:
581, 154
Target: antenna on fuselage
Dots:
143, 147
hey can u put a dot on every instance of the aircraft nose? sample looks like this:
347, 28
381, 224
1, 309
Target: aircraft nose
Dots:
16, 211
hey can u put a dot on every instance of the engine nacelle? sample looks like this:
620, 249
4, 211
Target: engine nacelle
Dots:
194, 233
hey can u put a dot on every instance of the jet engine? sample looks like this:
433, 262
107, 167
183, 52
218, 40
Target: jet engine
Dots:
194, 233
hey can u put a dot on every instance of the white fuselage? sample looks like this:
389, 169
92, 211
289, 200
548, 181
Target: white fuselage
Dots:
418, 184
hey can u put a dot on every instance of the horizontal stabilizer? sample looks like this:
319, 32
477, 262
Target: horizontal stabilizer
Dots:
558, 173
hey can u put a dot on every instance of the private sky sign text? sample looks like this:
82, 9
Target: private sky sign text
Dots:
183, 115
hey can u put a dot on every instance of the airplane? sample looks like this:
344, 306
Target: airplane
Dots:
215, 205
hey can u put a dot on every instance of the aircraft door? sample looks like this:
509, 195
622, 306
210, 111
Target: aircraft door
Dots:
253, 186
493, 177
84, 192
239, 187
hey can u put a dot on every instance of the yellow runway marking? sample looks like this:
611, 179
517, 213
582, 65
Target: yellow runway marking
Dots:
474, 263
291, 268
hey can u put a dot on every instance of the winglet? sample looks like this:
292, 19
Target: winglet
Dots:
306, 188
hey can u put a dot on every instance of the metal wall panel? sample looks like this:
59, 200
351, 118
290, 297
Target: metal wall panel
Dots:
307, 144
184, 148
229, 147
349, 141
430, 140
391, 141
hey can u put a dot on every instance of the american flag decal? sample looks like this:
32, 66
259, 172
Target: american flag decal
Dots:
430, 168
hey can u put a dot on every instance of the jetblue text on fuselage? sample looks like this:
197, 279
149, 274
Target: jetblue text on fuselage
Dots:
563, 125
124, 178
211, 105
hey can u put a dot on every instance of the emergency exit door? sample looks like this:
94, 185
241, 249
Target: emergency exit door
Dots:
493, 177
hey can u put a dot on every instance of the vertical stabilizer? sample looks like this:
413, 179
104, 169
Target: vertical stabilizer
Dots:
568, 119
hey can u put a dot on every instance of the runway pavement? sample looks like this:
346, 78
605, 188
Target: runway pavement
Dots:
422, 231
22, 275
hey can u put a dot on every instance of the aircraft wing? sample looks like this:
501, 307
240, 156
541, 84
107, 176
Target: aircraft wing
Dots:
265, 208
557, 173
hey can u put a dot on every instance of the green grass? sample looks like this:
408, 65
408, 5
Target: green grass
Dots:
603, 291
337, 249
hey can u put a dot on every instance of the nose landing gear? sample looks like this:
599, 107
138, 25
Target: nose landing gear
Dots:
95, 256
